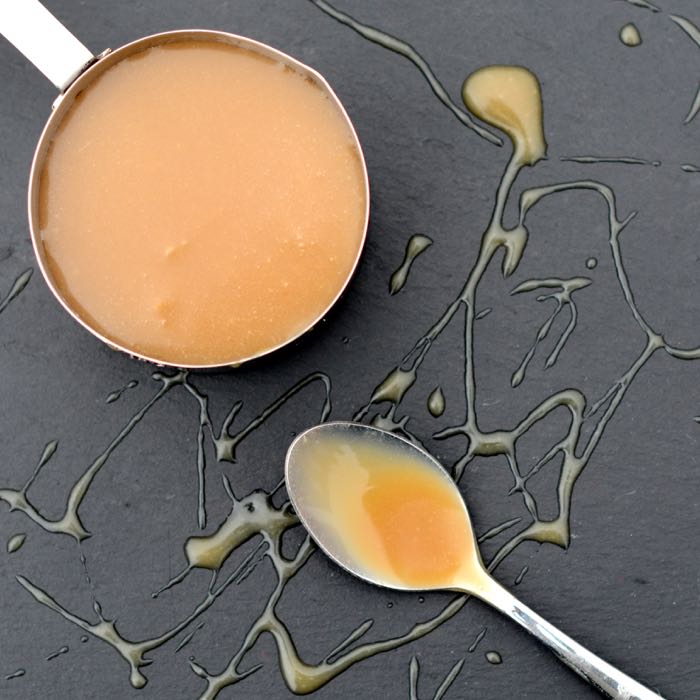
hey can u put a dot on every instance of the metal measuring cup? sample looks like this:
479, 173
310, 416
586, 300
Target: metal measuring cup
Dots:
71, 67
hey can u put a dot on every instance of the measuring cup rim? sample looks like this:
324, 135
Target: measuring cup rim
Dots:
103, 63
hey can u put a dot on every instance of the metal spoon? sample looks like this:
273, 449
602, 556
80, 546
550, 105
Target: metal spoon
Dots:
303, 488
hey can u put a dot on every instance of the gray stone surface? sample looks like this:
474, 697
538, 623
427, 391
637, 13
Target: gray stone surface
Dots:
628, 585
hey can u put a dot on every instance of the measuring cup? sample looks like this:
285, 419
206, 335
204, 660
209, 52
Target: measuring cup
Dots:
72, 67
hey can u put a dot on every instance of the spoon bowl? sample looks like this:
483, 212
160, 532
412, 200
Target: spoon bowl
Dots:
387, 512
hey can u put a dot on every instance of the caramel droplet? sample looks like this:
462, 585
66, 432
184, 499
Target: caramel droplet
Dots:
509, 98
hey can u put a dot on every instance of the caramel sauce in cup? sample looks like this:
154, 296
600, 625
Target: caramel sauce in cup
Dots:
201, 201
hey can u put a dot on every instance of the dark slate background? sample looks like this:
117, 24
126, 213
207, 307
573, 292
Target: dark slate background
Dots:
629, 586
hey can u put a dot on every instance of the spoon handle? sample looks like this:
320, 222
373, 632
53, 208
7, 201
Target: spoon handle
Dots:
609, 680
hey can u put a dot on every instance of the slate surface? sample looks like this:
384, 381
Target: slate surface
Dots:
628, 585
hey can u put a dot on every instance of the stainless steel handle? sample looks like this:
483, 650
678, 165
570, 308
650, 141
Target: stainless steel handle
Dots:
609, 680
43, 40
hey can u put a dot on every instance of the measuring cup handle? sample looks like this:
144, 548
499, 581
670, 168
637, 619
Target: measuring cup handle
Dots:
44, 41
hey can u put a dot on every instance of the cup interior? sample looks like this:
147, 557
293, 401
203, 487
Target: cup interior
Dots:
62, 107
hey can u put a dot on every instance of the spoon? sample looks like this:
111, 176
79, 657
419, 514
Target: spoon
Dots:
387, 512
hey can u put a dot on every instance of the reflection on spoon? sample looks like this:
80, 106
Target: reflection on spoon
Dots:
387, 512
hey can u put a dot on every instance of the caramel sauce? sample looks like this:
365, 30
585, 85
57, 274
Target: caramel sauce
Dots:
509, 97
394, 518
202, 203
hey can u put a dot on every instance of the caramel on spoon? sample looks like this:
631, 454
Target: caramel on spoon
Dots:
387, 512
